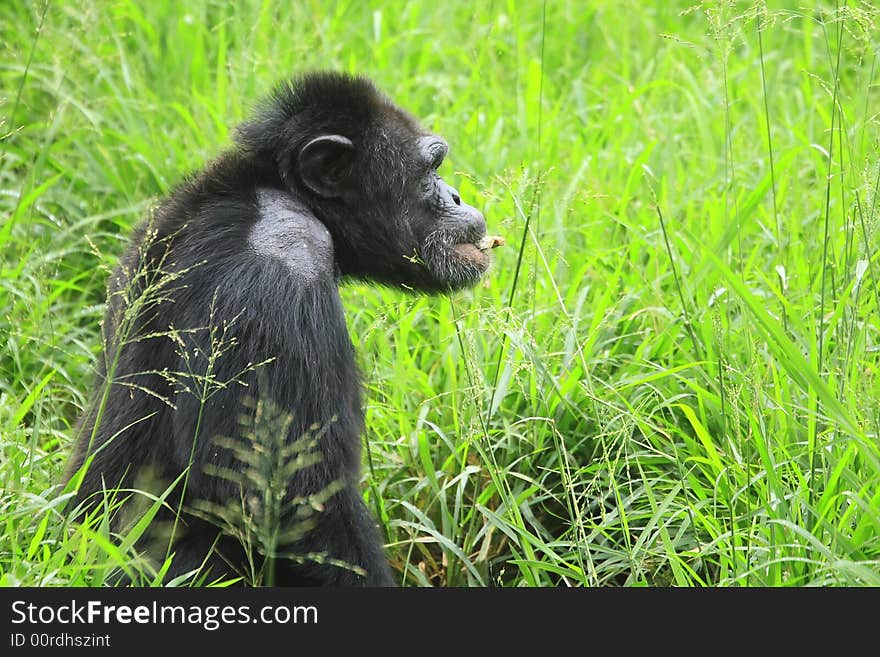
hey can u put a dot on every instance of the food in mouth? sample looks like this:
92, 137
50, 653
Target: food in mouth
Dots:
490, 242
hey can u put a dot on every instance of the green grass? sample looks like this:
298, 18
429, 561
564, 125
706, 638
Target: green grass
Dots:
670, 376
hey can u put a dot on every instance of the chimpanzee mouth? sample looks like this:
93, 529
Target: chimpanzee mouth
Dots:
478, 252
471, 253
455, 260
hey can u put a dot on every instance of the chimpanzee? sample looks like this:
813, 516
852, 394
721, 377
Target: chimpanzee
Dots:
227, 302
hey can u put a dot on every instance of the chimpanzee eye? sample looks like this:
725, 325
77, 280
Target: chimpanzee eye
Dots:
429, 181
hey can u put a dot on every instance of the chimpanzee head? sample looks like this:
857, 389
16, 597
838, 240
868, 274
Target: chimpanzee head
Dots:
369, 172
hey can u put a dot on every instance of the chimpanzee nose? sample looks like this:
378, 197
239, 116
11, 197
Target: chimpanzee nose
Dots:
473, 220
453, 194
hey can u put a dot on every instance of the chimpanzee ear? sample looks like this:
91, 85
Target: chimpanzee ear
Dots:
325, 164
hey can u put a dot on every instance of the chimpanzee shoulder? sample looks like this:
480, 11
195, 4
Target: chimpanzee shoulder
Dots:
287, 231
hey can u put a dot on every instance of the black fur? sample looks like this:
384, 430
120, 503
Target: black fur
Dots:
235, 277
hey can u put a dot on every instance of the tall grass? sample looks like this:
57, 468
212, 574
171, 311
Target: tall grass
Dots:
672, 373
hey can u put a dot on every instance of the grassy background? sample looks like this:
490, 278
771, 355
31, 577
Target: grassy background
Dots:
676, 383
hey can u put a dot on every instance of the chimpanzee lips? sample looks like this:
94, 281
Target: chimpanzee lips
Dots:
455, 260
478, 252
